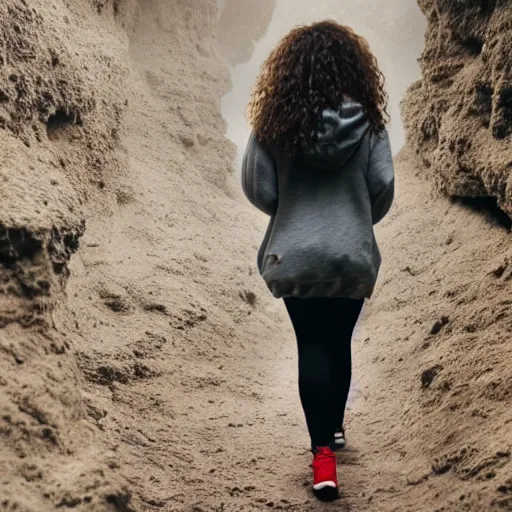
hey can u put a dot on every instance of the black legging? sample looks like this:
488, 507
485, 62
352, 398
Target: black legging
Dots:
324, 330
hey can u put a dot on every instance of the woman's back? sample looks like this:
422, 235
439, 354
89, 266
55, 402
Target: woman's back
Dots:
320, 241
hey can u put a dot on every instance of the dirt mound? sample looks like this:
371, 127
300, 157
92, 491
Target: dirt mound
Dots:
459, 116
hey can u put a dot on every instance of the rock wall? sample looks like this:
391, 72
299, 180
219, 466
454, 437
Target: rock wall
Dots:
63, 68
458, 117
60, 114
77, 82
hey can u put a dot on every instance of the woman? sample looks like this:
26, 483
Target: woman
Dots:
319, 163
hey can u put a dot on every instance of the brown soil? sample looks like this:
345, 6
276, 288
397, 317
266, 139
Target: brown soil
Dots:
151, 371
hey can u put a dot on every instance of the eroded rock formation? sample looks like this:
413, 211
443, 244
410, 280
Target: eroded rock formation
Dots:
459, 115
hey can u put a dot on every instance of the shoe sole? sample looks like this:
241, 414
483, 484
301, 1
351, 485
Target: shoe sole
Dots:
327, 493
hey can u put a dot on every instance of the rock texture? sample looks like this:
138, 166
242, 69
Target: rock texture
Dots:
62, 68
436, 337
60, 115
459, 116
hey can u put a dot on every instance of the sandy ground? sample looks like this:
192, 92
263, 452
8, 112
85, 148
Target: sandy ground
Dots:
166, 378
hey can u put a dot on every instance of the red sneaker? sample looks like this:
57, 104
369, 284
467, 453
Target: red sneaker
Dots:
325, 481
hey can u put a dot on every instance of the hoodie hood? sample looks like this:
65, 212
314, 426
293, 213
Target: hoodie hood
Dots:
339, 135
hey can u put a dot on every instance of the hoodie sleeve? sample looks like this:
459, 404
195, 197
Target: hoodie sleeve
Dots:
381, 177
259, 178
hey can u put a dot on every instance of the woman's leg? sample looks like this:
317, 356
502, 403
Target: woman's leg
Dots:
344, 314
309, 317
324, 329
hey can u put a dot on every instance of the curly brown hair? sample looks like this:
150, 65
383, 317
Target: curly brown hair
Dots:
312, 68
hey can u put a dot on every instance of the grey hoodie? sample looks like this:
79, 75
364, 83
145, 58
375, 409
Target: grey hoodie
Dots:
323, 204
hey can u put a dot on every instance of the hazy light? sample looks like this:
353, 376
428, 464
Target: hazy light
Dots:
394, 29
